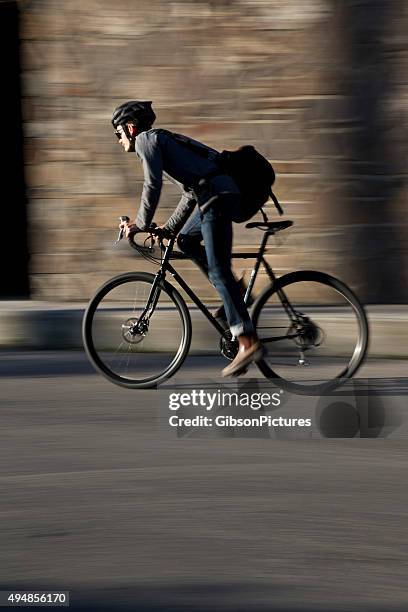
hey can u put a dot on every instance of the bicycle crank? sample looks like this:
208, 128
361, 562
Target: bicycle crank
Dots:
228, 346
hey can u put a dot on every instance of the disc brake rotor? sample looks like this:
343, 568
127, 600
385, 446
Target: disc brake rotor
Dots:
134, 331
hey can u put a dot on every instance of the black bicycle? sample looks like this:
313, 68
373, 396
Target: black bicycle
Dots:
137, 327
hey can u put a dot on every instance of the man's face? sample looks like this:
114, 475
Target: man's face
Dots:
124, 141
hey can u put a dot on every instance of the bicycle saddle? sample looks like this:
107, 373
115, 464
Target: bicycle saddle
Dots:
274, 226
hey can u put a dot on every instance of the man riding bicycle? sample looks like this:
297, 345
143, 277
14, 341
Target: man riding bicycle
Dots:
218, 201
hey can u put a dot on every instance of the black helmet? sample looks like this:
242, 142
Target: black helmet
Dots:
140, 113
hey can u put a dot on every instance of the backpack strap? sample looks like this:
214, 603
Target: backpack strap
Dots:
184, 140
275, 201
201, 151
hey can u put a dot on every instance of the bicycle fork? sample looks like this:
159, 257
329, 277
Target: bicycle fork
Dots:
142, 324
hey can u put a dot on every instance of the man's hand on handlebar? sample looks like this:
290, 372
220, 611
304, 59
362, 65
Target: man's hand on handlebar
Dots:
129, 229
163, 232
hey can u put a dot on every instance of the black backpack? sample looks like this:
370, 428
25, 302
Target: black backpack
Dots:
251, 171
253, 175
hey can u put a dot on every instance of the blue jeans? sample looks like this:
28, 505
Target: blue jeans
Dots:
214, 226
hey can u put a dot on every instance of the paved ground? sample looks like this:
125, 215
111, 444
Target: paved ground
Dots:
33, 325
100, 499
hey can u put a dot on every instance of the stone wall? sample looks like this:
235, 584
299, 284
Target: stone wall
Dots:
320, 87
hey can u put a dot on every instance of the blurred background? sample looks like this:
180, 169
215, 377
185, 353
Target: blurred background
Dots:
99, 499
321, 88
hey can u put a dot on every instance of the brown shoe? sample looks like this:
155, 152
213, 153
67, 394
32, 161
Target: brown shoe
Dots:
243, 359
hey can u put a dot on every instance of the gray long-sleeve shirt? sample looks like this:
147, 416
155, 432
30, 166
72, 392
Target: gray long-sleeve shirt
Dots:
162, 155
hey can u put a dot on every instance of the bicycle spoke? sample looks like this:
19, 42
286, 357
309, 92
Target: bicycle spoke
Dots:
130, 349
325, 327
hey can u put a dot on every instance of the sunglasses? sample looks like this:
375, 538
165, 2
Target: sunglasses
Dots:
118, 134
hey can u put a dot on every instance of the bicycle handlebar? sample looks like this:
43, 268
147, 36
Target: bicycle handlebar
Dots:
153, 231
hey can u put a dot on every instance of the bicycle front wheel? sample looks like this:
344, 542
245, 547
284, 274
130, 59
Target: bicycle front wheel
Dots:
135, 336
314, 330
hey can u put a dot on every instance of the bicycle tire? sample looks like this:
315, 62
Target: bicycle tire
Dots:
361, 341
94, 354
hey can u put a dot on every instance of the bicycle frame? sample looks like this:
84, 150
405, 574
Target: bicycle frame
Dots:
258, 256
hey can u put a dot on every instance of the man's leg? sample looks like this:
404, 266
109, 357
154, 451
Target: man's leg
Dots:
216, 228
217, 232
189, 241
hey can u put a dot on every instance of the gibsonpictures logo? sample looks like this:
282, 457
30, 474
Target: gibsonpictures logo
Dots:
231, 409
244, 408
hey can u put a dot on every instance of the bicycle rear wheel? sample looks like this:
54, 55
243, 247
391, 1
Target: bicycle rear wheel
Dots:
133, 346
314, 329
